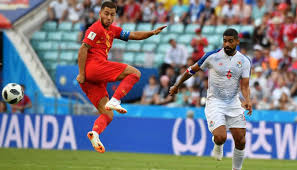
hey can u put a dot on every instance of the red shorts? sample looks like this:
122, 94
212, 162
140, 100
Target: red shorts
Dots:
98, 74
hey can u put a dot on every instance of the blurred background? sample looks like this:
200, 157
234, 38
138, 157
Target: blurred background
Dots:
40, 40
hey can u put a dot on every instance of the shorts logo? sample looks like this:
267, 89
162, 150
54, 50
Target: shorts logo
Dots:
243, 116
91, 35
239, 65
211, 123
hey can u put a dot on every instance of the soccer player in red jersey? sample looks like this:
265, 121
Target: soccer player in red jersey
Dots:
95, 71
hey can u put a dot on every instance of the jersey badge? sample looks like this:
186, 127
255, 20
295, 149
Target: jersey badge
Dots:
91, 35
239, 64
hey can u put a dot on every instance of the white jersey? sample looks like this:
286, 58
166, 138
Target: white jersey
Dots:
224, 77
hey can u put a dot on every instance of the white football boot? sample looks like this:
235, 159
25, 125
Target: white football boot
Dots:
217, 151
114, 104
94, 138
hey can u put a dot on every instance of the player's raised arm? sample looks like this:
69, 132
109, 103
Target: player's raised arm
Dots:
82, 57
141, 35
245, 90
187, 74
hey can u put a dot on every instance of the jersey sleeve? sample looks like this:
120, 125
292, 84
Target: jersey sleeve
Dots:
246, 73
121, 34
91, 36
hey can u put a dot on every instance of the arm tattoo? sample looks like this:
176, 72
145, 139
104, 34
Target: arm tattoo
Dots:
87, 45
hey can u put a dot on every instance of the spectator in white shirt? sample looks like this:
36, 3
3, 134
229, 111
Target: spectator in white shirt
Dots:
56, 9
277, 92
73, 12
229, 13
177, 55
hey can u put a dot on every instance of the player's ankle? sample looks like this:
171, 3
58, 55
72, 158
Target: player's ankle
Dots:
114, 100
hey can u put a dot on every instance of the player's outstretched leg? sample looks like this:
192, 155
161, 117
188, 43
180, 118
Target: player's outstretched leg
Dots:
129, 77
99, 125
219, 138
238, 153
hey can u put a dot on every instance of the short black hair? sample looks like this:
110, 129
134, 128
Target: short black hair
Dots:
108, 4
171, 39
256, 84
231, 32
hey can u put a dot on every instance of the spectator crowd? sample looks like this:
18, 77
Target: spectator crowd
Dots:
272, 46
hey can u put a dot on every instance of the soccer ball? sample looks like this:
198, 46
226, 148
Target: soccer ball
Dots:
12, 93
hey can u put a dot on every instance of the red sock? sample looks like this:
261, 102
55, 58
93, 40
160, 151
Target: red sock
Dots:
100, 123
125, 86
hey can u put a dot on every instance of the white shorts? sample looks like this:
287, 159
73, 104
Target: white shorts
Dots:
219, 116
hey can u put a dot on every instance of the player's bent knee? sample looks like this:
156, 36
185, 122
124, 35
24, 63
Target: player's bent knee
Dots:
240, 143
220, 139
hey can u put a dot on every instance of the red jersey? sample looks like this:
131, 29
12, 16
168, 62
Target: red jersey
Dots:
100, 39
26, 100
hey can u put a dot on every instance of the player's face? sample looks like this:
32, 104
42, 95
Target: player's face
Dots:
107, 16
230, 44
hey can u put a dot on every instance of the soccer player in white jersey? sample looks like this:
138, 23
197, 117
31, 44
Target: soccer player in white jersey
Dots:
229, 72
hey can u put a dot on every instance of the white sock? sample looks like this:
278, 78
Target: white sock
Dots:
115, 101
237, 160
218, 147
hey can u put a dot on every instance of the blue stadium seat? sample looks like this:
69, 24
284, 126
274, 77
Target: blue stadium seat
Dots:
176, 28
57, 36
247, 28
190, 49
167, 37
77, 26
209, 48
191, 28
65, 26
163, 48
133, 46
70, 46
44, 46
128, 58
139, 59
208, 29
153, 39
158, 59
119, 44
220, 29
39, 36
144, 27
214, 40
236, 27
149, 47
70, 36
68, 56
185, 38
49, 26
50, 56
129, 26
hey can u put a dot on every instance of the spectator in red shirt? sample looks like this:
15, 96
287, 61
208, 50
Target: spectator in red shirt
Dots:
198, 43
276, 32
160, 14
132, 11
290, 28
25, 103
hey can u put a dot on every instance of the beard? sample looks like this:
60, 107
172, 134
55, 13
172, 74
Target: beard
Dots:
105, 24
229, 51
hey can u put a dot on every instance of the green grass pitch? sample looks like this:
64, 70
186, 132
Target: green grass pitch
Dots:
31, 159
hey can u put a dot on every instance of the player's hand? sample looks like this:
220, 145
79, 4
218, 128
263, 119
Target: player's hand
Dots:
158, 30
247, 105
173, 90
80, 78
